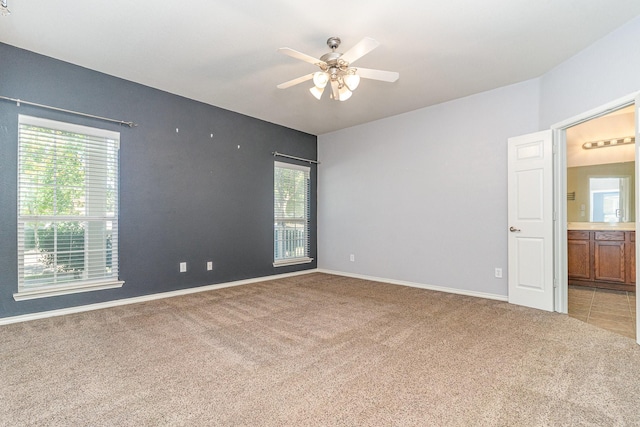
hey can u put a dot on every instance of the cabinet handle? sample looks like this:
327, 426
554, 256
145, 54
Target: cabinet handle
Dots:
513, 229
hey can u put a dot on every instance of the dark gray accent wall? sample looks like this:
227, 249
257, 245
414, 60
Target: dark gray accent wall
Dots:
184, 196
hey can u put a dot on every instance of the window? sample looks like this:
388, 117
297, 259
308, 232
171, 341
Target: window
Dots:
291, 214
67, 208
609, 199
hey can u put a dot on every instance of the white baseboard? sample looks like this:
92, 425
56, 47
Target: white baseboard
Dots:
418, 285
144, 298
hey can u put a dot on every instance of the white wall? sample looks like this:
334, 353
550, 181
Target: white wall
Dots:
422, 197
603, 72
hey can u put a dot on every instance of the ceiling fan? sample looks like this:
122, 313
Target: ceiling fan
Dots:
336, 70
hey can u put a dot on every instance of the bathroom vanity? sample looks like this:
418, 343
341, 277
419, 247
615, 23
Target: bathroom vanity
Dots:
602, 255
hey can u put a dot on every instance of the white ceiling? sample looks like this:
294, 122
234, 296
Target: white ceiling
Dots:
224, 52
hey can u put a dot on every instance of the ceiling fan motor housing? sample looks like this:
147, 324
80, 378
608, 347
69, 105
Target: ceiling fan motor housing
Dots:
333, 42
331, 58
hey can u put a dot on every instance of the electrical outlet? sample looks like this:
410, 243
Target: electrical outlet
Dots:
183, 267
209, 265
498, 273
352, 258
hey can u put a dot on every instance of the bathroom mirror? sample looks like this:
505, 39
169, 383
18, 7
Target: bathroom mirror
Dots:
601, 193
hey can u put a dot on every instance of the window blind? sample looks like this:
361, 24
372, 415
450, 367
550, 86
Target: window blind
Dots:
291, 214
67, 205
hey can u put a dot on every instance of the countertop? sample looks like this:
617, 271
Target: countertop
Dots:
606, 226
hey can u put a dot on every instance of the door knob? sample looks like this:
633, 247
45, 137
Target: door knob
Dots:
513, 229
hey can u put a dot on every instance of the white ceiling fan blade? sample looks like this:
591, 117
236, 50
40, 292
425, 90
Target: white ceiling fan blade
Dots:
385, 76
295, 81
363, 47
299, 55
335, 89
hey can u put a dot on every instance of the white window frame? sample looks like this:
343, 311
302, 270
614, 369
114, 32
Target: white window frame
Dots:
303, 221
97, 219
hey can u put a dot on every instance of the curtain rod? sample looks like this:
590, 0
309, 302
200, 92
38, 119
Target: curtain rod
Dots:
48, 107
275, 153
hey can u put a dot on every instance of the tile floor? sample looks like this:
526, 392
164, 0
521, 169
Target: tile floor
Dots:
607, 309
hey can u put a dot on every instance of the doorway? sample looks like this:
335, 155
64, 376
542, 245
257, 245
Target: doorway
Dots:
611, 202
601, 219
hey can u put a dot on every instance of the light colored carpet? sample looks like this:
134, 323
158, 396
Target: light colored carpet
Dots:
317, 350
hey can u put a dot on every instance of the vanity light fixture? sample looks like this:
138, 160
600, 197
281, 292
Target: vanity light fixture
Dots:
609, 142
4, 9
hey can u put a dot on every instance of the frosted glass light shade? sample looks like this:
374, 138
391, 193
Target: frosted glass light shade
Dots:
344, 94
317, 92
352, 81
320, 79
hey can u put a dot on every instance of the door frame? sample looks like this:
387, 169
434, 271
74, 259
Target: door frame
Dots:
560, 193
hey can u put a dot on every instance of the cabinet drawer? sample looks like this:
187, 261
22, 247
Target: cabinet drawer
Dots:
610, 235
577, 235
632, 236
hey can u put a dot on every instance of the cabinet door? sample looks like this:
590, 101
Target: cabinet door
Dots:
631, 257
609, 260
579, 255
578, 258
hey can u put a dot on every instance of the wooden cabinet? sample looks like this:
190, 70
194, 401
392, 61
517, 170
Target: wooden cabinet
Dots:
603, 259
579, 255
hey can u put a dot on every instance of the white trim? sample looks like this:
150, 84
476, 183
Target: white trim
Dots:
617, 104
144, 298
418, 285
560, 269
292, 261
65, 290
637, 203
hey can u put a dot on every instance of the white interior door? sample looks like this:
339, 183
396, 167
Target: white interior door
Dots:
530, 205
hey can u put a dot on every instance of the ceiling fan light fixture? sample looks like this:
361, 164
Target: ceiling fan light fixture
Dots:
316, 92
344, 93
320, 79
4, 9
335, 69
352, 81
